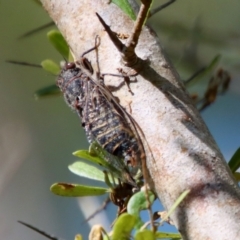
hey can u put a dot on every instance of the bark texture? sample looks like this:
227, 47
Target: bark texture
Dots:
183, 153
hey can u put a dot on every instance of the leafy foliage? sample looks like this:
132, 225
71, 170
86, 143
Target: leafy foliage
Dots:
58, 41
51, 67
76, 190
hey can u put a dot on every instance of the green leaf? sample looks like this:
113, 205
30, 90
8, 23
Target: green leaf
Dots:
234, 162
58, 41
85, 170
96, 160
163, 235
97, 156
50, 66
176, 203
85, 154
126, 7
47, 91
145, 235
138, 202
123, 227
106, 237
111, 162
75, 190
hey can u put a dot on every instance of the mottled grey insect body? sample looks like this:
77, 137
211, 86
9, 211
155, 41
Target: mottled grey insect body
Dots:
70, 81
103, 119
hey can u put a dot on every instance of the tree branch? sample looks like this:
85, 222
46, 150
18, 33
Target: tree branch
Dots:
184, 154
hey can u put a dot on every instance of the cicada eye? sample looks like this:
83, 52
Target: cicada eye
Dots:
70, 65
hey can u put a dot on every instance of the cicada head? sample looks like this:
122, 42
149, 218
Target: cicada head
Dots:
71, 84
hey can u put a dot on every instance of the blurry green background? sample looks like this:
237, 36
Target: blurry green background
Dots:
38, 137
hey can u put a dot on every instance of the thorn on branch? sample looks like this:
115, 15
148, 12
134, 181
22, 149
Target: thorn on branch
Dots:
113, 36
128, 51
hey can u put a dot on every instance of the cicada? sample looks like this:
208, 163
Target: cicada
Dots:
105, 121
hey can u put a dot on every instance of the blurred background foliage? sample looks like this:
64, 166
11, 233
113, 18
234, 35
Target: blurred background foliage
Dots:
37, 137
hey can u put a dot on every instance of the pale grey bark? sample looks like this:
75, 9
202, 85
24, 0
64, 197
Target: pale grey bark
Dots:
184, 154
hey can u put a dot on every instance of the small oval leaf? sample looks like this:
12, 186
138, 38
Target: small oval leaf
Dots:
138, 202
95, 158
75, 190
163, 235
145, 234
123, 227
50, 66
47, 92
58, 41
87, 156
106, 159
85, 170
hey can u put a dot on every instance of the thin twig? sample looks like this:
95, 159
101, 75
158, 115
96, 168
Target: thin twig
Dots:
161, 7
129, 55
187, 81
24, 63
35, 30
149, 207
39, 231
102, 207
